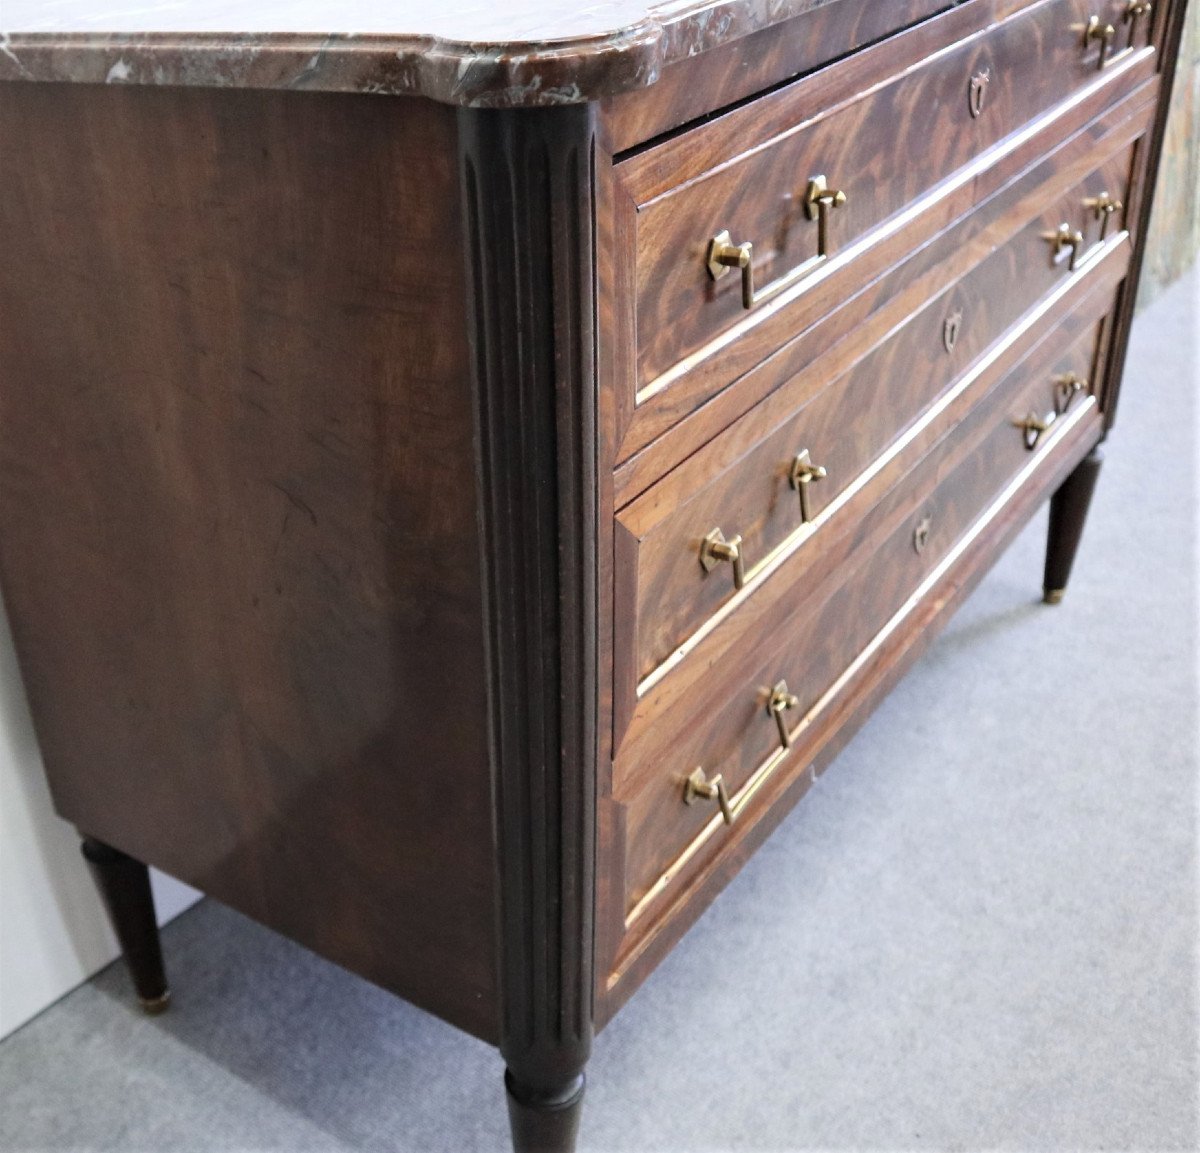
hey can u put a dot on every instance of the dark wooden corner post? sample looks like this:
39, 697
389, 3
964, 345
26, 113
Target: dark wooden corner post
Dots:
528, 193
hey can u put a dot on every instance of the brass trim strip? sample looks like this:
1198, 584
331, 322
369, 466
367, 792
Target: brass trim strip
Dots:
767, 769
756, 574
1122, 62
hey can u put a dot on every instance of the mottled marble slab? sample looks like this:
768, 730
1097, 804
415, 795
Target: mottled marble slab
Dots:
501, 54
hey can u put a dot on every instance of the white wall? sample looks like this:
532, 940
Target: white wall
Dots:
53, 930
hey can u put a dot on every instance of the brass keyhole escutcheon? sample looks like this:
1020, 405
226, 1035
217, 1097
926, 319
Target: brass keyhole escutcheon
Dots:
922, 532
977, 92
778, 703
803, 473
951, 329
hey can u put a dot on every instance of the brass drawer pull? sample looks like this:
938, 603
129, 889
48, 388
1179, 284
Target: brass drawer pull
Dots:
1066, 388
699, 788
778, 703
1103, 207
802, 474
722, 255
715, 549
1134, 11
1096, 29
819, 201
1065, 242
1034, 427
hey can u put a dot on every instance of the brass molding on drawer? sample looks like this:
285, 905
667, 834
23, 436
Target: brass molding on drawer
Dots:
852, 417
699, 786
740, 211
681, 431
981, 482
924, 426
1067, 386
722, 255
723, 649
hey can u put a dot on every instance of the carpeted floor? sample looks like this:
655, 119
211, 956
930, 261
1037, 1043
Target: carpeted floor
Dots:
978, 932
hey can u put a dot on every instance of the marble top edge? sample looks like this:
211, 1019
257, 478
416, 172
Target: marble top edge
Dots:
530, 54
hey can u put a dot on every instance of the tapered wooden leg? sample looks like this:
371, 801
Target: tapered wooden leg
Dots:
544, 1121
125, 887
1068, 512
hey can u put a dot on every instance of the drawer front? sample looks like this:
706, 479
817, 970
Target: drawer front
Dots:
904, 131
818, 636
700, 85
775, 479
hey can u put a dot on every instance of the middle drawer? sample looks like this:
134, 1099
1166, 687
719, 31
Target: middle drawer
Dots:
769, 482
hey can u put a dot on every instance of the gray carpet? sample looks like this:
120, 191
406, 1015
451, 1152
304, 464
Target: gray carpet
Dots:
978, 932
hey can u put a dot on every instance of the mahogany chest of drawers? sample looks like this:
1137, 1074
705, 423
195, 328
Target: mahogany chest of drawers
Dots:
461, 481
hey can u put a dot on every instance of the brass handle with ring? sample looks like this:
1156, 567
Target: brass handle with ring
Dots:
1134, 11
1065, 242
1066, 387
778, 703
715, 550
1035, 426
699, 788
1096, 29
819, 201
722, 255
803, 472
1103, 207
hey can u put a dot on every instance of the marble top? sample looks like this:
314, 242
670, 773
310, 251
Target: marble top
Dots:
506, 53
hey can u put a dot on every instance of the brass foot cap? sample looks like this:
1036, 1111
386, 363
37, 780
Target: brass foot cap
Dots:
152, 1006
1054, 596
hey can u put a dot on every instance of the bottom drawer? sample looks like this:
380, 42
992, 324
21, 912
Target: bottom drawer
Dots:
720, 763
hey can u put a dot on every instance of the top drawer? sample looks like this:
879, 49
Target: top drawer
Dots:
739, 216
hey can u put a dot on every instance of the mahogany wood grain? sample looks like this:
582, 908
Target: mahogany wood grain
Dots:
238, 534
690, 89
724, 653
698, 884
336, 433
757, 164
740, 480
727, 358
900, 290
829, 618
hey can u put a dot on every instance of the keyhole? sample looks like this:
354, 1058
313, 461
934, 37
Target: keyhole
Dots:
978, 92
951, 329
921, 533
